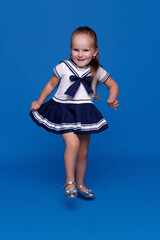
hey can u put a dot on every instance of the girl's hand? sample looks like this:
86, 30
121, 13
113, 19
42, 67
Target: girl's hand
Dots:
34, 106
113, 103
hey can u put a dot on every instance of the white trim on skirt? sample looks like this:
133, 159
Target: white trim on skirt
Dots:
65, 126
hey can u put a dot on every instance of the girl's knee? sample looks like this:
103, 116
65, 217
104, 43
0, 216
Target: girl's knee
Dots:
83, 153
72, 142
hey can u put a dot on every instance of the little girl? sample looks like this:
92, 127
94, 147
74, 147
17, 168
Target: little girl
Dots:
71, 111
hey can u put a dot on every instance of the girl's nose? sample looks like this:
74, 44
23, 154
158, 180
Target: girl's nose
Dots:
79, 54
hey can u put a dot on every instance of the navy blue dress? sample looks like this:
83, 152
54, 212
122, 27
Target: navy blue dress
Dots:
72, 109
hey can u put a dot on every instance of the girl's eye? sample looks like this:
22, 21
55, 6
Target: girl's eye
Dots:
75, 50
86, 50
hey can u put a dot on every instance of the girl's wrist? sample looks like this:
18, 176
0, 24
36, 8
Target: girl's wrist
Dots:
112, 98
39, 103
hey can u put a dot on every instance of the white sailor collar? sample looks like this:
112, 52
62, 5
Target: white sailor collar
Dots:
74, 68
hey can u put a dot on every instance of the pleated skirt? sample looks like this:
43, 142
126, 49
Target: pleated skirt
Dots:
61, 118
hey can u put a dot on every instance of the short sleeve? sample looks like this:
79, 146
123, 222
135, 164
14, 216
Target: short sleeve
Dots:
59, 70
102, 75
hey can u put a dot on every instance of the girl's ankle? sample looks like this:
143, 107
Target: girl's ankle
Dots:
70, 180
79, 183
70, 186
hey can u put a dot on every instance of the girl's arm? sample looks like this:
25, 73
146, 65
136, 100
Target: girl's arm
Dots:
47, 90
113, 93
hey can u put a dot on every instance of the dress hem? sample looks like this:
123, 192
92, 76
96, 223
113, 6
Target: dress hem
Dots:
76, 131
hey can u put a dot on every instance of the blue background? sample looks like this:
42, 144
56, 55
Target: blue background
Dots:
123, 161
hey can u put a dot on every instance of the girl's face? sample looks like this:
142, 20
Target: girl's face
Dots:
82, 49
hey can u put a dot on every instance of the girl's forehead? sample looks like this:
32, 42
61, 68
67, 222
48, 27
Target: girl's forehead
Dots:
82, 37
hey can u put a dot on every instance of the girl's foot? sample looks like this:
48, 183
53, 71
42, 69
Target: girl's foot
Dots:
70, 186
84, 191
70, 190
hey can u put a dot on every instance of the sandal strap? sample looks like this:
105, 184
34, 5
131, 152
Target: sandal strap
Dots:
88, 189
80, 186
68, 183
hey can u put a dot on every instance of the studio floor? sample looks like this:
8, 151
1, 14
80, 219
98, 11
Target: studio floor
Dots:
126, 206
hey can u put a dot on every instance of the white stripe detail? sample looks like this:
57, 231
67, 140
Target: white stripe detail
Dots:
72, 101
71, 69
65, 126
85, 74
105, 78
56, 73
71, 66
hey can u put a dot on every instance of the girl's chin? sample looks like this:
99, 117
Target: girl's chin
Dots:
81, 64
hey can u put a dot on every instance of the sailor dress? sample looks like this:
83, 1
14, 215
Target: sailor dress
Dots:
72, 109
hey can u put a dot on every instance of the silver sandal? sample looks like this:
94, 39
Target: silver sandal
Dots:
85, 193
70, 193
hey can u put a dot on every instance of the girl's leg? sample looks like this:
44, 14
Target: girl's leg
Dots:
81, 162
72, 146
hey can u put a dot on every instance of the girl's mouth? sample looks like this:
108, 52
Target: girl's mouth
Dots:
80, 59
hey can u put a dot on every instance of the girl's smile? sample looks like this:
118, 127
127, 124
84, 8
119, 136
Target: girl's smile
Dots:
82, 50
